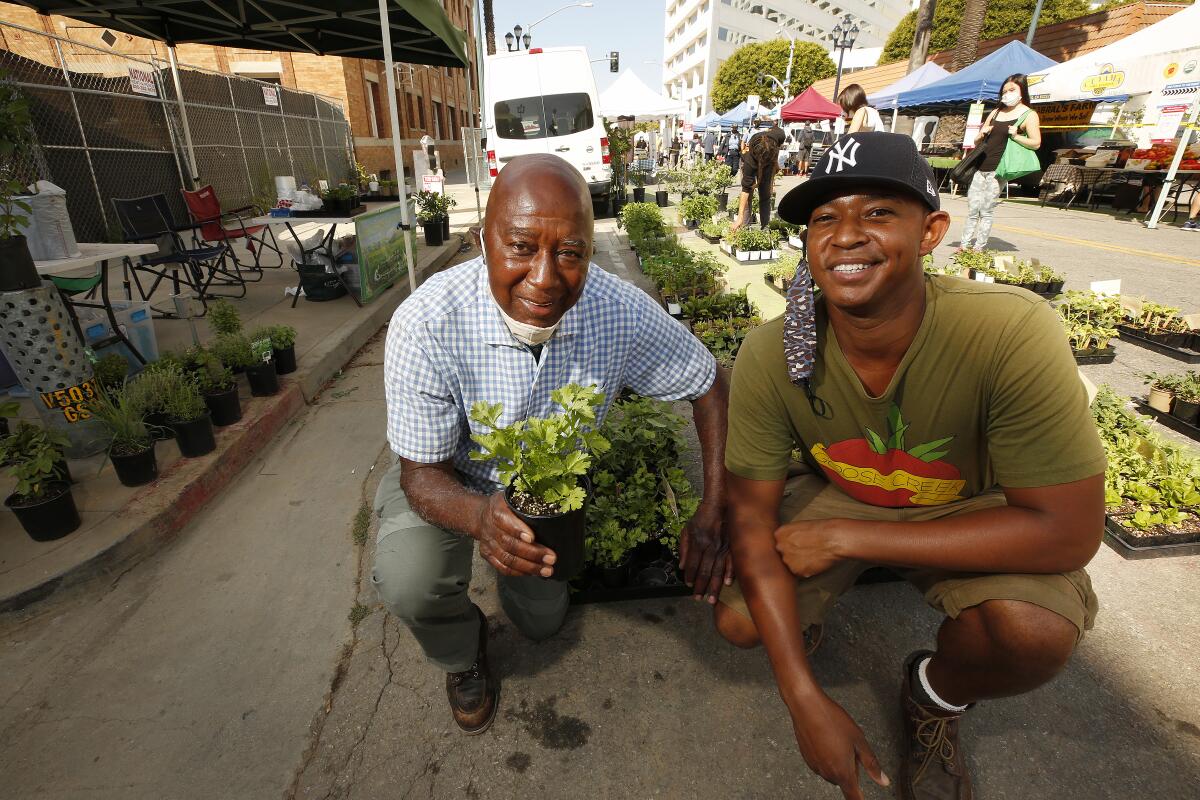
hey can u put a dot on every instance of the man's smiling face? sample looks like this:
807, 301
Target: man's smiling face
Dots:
538, 239
864, 242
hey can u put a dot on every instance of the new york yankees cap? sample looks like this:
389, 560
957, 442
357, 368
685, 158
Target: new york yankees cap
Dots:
875, 157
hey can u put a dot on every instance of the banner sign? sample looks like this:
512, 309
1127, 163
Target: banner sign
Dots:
974, 123
1072, 113
141, 81
1169, 120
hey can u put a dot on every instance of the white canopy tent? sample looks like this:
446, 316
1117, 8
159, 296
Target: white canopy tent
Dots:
629, 97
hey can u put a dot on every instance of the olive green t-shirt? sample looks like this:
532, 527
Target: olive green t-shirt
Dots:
988, 394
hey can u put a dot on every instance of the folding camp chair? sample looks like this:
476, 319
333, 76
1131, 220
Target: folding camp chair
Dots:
145, 219
205, 211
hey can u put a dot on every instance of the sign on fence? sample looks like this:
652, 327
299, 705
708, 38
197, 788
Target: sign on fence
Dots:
271, 95
141, 81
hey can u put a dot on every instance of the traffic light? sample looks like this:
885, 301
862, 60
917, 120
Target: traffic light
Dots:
614, 61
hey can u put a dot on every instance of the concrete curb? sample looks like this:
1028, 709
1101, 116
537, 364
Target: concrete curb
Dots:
160, 510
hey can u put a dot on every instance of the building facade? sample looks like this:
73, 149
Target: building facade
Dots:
699, 35
431, 100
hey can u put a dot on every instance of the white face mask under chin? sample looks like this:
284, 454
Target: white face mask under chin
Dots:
524, 333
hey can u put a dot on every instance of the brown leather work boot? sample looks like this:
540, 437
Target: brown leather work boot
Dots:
473, 693
933, 766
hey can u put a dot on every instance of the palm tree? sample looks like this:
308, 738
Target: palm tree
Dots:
489, 27
920, 45
966, 49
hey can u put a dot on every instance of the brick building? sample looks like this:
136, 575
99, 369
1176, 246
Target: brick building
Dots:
431, 100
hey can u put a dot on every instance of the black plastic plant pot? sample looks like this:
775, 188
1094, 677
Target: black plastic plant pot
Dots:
195, 437
285, 360
52, 517
615, 577
135, 469
445, 229
17, 270
639, 194
723, 201
63, 471
1175, 339
224, 407
562, 533
264, 381
433, 233
662, 198
1185, 411
159, 427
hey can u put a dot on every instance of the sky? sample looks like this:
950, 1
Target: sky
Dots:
632, 27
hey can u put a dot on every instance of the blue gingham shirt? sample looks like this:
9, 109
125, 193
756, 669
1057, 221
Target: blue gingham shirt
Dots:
448, 347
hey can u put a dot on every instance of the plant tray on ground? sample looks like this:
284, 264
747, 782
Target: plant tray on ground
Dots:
648, 580
1138, 337
707, 238
757, 256
1094, 356
771, 282
1169, 420
1133, 544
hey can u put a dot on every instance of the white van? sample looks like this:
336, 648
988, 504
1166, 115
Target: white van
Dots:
544, 100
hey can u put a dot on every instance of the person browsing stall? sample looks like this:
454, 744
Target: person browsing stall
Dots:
529, 316
945, 433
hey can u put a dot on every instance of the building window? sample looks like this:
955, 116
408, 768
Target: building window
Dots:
451, 129
375, 109
437, 120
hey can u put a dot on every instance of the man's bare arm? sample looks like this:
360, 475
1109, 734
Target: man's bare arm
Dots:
704, 556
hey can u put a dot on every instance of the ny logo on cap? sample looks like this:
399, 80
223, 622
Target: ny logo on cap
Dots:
839, 152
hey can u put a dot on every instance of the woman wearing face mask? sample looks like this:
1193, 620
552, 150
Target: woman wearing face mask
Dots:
1014, 120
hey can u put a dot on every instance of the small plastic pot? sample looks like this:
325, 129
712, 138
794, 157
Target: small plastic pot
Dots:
446, 229
135, 469
433, 233
285, 360
195, 437
615, 577
52, 517
1160, 399
1054, 286
159, 427
722, 201
562, 533
1185, 410
224, 407
662, 198
639, 194
264, 381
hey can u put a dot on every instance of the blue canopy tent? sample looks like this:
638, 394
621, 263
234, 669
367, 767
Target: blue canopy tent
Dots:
979, 81
927, 73
738, 115
702, 123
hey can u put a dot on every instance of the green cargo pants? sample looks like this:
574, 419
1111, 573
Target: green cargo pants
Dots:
422, 574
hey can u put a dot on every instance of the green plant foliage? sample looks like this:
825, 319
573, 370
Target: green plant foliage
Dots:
283, 336
233, 350
121, 414
543, 458
147, 391
110, 370
642, 221
223, 318
1156, 318
213, 377
751, 238
1090, 319
181, 400
739, 75
261, 350
719, 306
783, 268
700, 207
1148, 481
724, 337
640, 491
32, 453
15, 127
683, 273
1003, 17
718, 227
782, 228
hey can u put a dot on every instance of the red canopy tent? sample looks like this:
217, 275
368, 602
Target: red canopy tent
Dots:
810, 106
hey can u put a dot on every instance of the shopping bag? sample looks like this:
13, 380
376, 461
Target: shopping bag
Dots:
1018, 160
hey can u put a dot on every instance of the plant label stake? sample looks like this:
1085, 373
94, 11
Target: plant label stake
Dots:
188, 308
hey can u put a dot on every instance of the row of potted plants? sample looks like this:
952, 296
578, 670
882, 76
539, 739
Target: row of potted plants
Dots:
1177, 395
990, 266
787, 232
1163, 325
752, 244
1091, 321
1152, 485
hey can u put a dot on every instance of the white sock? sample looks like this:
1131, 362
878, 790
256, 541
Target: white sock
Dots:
931, 693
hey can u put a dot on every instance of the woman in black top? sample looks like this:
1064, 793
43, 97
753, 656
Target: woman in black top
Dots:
760, 162
1015, 120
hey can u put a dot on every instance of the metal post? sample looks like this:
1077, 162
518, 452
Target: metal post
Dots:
787, 78
1033, 23
1189, 123
475, 157
82, 133
193, 175
386, 31
837, 82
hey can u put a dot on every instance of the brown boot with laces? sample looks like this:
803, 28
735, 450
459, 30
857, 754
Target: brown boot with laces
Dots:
933, 765
473, 693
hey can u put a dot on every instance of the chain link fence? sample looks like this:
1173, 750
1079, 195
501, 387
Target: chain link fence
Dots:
109, 125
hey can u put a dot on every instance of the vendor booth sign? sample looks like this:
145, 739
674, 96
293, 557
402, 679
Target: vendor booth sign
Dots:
1106, 80
1071, 114
381, 243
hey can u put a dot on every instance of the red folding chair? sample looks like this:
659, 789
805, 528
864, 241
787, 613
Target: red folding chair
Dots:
205, 210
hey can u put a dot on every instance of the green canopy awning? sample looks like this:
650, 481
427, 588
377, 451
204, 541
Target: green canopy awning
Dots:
420, 30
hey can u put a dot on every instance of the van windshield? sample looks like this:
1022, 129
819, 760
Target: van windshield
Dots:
542, 117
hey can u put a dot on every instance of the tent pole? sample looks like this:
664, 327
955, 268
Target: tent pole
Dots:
895, 113
476, 158
406, 222
1189, 122
183, 118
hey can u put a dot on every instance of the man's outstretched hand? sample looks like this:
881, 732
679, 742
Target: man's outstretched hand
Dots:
704, 556
507, 543
833, 746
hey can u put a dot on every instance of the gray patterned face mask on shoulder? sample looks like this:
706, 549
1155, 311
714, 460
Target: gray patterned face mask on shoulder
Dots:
800, 327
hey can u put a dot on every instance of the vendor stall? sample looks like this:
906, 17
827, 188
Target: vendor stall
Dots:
810, 106
889, 96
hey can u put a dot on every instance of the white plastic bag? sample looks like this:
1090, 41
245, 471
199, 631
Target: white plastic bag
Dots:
50, 233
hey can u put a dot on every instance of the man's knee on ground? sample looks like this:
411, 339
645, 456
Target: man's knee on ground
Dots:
737, 628
1022, 637
409, 589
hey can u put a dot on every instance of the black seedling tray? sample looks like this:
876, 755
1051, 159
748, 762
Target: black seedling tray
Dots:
707, 238
1105, 356
1170, 420
588, 588
1126, 546
1133, 335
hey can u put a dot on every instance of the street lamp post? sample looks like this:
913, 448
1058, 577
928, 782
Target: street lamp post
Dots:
515, 39
787, 78
844, 34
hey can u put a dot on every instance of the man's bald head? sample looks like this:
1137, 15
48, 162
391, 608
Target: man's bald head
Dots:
537, 238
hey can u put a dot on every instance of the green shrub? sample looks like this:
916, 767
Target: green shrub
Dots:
642, 221
233, 350
121, 414
699, 207
33, 454
110, 370
223, 318
724, 337
719, 306
182, 401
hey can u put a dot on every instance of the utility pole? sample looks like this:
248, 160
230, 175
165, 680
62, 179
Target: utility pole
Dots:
1033, 23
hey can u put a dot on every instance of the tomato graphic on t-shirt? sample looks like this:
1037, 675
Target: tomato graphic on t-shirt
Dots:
884, 473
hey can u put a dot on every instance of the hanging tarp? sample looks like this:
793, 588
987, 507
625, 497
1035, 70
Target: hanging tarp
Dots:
979, 81
629, 97
926, 74
1168, 50
810, 106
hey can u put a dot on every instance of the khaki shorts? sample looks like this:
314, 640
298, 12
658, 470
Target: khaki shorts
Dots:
809, 496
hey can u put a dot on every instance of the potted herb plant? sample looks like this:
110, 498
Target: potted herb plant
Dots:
283, 343
220, 391
697, 209
264, 381
639, 185
232, 350
188, 415
42, 498
17, 270
444, 203
1187, 399
544, 464
147, 392
341, 199
131, 446
429, 216
223, 318
1162, 390
111, 370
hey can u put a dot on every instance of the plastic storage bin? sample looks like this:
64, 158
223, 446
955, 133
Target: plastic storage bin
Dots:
135, 320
